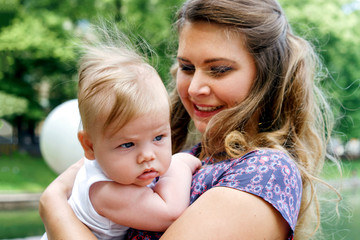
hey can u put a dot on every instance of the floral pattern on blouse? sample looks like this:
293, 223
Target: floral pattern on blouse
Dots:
268, 173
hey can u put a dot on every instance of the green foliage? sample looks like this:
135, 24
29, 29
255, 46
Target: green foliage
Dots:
333, 28
10, 104
35, 49
37, 39
7, 11
153, 20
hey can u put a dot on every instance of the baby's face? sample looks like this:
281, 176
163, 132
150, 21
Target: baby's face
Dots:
138, 152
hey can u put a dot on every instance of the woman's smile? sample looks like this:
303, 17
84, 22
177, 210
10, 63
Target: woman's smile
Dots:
206, 111
215, 71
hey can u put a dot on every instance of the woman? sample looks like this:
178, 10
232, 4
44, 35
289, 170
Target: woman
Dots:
247, 84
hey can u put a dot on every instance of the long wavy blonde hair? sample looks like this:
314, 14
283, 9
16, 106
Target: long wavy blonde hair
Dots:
294, 115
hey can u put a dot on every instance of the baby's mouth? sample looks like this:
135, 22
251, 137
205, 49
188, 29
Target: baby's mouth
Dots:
148, 174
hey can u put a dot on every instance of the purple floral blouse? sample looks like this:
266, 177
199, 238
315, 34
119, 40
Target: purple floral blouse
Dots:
267, 173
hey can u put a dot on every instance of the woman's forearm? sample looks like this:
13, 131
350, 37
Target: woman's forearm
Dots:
58, 217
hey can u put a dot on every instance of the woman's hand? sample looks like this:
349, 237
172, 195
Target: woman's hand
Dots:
59, 219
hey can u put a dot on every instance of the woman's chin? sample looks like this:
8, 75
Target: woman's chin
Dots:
200, 126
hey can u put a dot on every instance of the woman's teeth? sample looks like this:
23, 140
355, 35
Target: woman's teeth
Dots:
207, 109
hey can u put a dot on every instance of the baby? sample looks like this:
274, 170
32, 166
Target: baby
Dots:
126, 138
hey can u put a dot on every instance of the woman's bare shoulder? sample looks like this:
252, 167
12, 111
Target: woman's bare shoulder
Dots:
226, 213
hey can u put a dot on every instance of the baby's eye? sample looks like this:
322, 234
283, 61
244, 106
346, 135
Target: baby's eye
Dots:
220, 70
188, 69
158, 138
127, 145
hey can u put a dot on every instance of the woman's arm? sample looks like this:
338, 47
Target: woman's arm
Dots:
226, 213
58, 217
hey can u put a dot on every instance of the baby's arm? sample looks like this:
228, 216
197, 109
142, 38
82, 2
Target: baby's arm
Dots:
145, 208
174, 186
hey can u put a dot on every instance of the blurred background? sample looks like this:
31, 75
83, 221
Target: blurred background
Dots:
38, 70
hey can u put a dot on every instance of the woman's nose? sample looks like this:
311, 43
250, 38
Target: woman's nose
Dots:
198, 85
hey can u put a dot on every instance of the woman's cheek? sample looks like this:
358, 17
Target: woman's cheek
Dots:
182, 86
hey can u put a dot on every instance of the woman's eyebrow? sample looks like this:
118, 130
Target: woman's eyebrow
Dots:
209, 60
218, 60
182, 59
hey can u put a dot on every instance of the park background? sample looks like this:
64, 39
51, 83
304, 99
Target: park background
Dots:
38, 67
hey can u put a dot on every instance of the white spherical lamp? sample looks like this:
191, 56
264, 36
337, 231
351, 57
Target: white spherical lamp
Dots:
59, 144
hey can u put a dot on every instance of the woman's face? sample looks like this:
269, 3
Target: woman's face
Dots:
215, 72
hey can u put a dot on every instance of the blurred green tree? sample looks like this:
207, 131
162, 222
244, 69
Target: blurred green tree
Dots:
333, 28
11, 105
38, 57
36, 65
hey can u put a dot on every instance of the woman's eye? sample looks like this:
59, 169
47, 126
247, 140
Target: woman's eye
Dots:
158, 138
188, 69
220, 70
127, 145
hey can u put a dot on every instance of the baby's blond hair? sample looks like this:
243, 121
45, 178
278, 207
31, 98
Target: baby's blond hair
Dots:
113, 84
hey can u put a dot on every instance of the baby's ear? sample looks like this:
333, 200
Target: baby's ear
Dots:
86, 144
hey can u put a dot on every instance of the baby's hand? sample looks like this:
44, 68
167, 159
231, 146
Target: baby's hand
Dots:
191, 161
